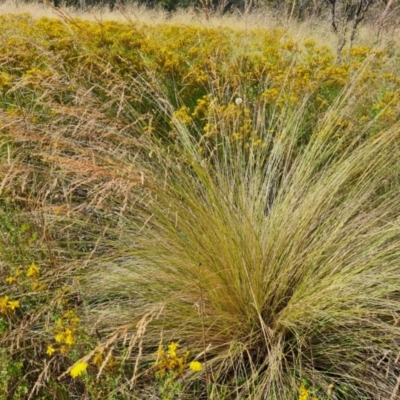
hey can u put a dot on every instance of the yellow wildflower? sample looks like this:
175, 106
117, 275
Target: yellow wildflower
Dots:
183, 115
38, 286
98, 358
33, 271
12, 305
50, 350
59, 338
172, 349
195, 366
304, 393
3, 303
74, 320
7, 305
68, 337
69, 314
11, 279
78, 369
160, 352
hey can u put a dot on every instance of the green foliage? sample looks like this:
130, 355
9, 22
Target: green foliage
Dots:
12, 383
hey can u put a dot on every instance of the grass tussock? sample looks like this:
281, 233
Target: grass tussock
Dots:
196, 213
274, 266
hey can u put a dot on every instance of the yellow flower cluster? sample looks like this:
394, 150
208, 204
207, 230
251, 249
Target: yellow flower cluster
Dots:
13, 278
65, 332
7, 306
33, 271
170, 363
107, 363
208, 67
305, 394
33, 275
16, 279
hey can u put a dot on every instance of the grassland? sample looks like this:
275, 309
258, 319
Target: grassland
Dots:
192, 210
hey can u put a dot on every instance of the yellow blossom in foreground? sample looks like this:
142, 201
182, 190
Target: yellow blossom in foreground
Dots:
50, 350
59, 337
3, 303
12, 305
68, 337
304, 393
7, 305
78, 369
195, 366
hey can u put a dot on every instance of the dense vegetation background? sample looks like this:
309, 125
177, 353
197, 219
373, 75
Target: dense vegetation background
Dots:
303, 8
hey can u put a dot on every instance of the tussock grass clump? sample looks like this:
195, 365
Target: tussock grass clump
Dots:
272, 264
